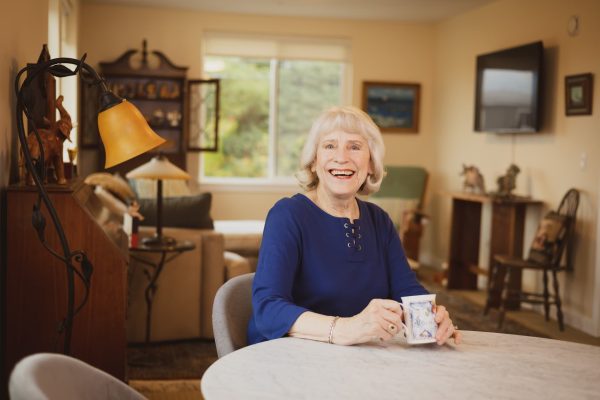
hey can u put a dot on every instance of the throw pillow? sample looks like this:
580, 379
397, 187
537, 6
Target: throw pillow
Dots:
549, 235
180, 212
115, 184
111, 202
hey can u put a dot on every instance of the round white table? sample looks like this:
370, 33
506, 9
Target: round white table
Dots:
485, 366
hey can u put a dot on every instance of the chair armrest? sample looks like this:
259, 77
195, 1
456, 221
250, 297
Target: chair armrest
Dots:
417, 216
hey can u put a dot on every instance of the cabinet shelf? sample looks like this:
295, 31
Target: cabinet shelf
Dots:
156, 89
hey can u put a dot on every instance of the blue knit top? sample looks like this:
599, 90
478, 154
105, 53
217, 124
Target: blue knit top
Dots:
310, 260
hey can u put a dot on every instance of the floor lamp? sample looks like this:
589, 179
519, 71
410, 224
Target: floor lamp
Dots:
124, 133
158, 168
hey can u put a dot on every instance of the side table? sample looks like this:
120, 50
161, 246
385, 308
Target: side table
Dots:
166, 254
507, 233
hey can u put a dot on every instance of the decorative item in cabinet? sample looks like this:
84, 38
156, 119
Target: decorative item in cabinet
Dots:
157, 87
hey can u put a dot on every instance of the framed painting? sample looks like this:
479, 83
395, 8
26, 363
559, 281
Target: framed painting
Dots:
394, 107
203, 114
578, 94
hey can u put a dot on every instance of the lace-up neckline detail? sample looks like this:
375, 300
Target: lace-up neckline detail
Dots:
353, 235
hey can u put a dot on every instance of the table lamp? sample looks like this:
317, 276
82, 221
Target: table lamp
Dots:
124, 133
158, 168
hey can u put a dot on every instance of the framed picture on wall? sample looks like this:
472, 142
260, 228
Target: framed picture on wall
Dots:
578, 94
393, 106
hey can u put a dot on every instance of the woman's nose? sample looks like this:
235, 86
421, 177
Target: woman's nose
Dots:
341, 155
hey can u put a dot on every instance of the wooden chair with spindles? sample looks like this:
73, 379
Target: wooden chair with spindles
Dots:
553, 237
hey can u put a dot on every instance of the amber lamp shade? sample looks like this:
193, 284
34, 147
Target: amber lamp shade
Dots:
125, 133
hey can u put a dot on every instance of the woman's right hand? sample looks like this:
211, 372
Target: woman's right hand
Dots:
380, 320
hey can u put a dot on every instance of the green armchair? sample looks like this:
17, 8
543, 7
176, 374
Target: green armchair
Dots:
401, 195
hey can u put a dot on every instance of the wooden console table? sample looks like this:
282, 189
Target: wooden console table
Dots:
507, 227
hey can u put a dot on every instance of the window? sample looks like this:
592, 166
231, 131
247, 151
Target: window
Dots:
62, 42
271, 91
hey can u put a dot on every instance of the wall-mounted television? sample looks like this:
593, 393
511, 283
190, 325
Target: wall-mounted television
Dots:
508, 90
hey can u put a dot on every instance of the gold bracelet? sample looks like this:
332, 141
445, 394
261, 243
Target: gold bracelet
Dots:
330, 340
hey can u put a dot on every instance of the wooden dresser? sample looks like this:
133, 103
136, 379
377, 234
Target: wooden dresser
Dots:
35, 282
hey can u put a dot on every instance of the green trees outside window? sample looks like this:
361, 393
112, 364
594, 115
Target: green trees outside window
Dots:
267, 108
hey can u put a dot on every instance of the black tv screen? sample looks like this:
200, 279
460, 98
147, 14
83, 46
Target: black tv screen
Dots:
508, 90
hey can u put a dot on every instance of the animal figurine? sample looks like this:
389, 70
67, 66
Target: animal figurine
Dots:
52, 137
473, 182
508, 182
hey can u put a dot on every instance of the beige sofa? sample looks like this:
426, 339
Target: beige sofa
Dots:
186, 287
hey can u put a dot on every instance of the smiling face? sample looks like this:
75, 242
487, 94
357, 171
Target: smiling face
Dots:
342, 163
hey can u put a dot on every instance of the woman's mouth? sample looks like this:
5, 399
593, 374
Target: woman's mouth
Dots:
342, 173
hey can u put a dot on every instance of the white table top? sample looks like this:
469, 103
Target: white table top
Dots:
485, 366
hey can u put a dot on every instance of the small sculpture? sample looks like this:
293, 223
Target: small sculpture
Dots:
473, 182
52, 138
508, 182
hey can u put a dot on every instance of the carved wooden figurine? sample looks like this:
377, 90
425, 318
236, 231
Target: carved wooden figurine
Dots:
473, 179
52, 136
508, 182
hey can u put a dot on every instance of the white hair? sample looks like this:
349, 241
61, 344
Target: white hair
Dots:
351, 120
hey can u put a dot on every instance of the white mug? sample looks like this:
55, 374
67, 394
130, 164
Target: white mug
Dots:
419, 319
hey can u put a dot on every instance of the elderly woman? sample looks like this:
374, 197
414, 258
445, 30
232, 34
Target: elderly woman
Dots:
331, 266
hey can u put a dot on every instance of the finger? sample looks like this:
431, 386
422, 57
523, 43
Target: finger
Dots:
444, 323
445, 332
391, 305
392, 317
441, 313
387, 330
442, 332
457, 336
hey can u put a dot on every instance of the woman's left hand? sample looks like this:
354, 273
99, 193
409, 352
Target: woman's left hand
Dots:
446, 328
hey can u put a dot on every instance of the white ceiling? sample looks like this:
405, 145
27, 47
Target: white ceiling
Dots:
398, 10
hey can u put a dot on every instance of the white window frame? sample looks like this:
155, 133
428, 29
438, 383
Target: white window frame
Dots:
276, 49
62, 42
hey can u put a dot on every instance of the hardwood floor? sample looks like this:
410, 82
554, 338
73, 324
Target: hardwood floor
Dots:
534, 320
529, 318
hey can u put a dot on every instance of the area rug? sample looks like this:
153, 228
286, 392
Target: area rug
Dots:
469, 316
168, 389
189, 359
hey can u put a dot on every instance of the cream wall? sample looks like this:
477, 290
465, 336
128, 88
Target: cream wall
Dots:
549, 161
24, 30
179, 35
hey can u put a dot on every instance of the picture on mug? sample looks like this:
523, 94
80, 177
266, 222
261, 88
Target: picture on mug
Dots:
421, 316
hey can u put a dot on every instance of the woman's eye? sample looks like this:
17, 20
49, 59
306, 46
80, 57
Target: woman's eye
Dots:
355, 147
328, 146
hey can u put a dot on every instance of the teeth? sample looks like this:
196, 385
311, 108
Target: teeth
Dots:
339, 172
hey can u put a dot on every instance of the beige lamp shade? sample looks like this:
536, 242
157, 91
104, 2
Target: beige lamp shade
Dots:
125, 133
158, 168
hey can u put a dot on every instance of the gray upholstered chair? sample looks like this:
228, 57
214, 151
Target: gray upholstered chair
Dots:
51, 376
232, 310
